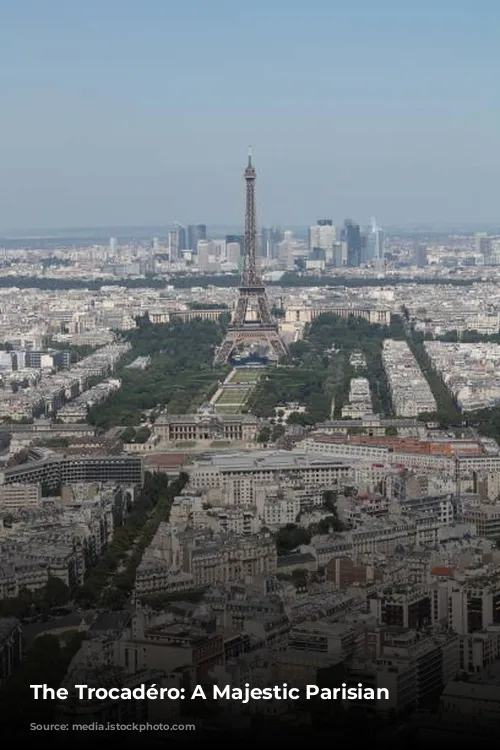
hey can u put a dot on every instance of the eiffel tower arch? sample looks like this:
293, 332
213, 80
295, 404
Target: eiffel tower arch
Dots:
252, 321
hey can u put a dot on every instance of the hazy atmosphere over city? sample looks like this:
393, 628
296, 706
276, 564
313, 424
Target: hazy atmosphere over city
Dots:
120, 112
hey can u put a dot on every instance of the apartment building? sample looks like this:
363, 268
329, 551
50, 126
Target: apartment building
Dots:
157, 577
335, 638
359, 402
456, 457
410, 391
485, 517
469, 371
213, 558
376, 536
55, 471
403, 606
14, 497
165, 646
468, 603
411, 665
275, 467
475, 700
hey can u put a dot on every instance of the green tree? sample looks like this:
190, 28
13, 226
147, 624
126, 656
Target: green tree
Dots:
113, 598
290, 537
179, 376
277, 432
56, 593
330, 500
264, 435
142, 434
86, 594
128, 435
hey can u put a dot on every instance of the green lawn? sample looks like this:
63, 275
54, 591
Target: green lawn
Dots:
246, 376
228, 409
232, 397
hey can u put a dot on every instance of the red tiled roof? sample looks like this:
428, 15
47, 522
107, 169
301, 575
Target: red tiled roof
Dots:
442, 571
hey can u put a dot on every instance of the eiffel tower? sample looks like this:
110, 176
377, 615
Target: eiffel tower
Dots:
260, 328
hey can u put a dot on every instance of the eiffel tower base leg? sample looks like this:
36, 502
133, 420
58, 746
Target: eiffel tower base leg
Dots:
236, 339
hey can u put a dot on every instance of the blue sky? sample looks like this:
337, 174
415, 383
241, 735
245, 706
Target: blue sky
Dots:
140, 111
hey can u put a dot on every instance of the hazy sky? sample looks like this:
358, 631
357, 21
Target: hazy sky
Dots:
141, 111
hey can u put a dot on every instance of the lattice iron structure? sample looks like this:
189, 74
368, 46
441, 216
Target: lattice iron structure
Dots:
260, 328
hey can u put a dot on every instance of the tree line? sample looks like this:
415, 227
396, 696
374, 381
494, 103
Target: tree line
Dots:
180, 374
109, 580
319, 371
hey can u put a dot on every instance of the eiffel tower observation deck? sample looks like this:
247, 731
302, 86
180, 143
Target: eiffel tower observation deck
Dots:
252, 322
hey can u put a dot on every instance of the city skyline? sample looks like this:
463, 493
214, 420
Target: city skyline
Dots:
375, 110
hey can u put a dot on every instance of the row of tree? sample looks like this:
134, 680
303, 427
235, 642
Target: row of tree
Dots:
110, 583
188, 281
179, 375
292, 535
319, 373
487, 421
29, 603
447, 411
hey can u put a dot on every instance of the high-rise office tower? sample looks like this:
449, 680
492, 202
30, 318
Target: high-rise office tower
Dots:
206, 255
219, 248
266, 242
195, 233
420, 256
351, 235
339, 254
484, 247
270, 239
374, 243
236, 239
233, 253
112, 244
181, 237
173, 245
322, 237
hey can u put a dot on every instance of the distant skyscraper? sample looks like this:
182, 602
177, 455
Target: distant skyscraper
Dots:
420, 256
195, 233
322, 237
484, 247
219, 248
266, 242
233, 240
182, 238
270, 239
233, 253
339, 254
351, 234
374, 243
112, 244
206, 255
173, 245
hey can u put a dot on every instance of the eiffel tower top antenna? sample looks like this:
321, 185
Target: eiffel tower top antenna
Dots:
251, 276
